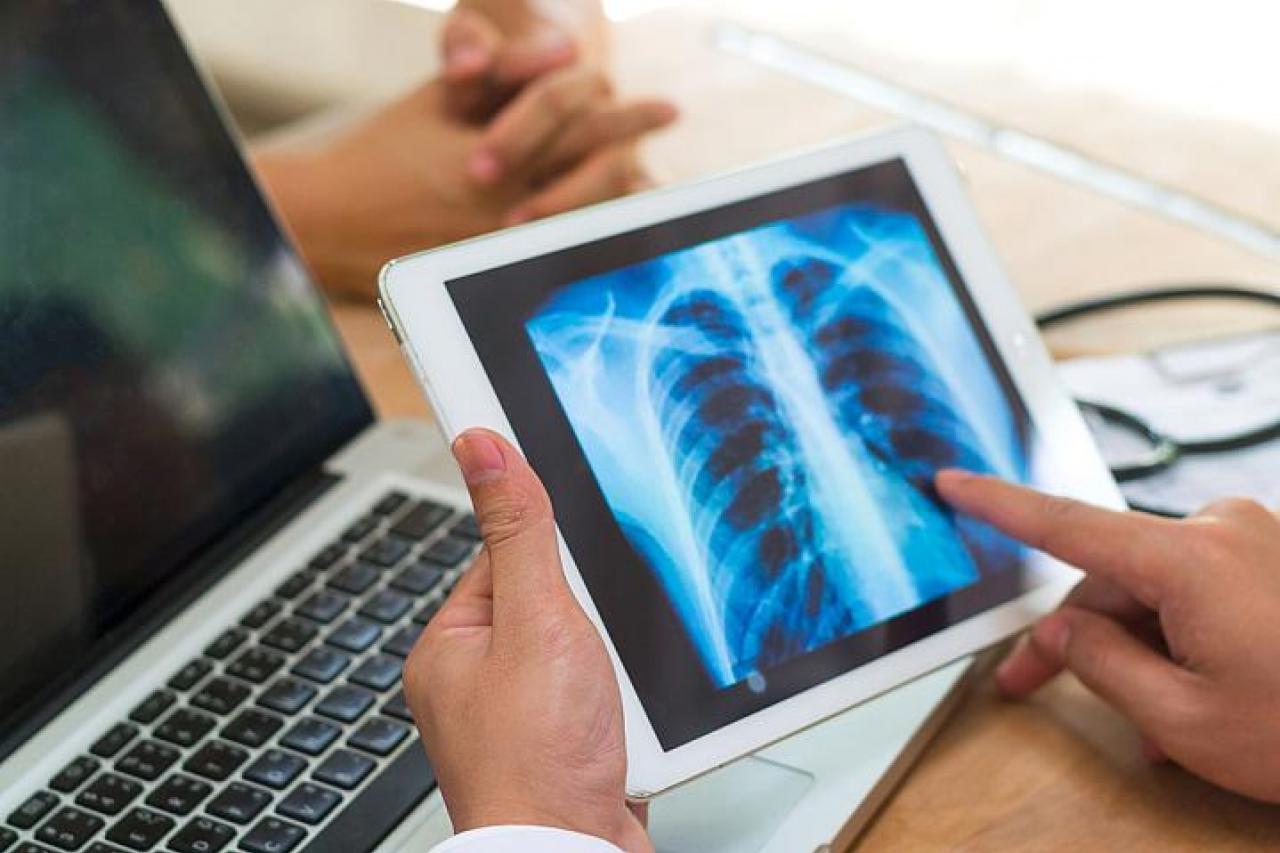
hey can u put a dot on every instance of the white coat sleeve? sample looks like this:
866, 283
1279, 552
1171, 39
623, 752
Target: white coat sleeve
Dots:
524, 839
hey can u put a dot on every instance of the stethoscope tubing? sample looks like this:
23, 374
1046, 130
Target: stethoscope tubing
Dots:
1166, 451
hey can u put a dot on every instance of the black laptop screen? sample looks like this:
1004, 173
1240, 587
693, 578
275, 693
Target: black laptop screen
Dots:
165, 364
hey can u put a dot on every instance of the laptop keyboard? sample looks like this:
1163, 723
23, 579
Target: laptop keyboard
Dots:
293, 716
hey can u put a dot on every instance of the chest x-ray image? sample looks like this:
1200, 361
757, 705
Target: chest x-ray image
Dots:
765, 413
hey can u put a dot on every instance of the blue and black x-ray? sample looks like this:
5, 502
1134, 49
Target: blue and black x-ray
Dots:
764, 414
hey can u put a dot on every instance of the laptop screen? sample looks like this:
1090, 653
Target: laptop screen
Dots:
166, 366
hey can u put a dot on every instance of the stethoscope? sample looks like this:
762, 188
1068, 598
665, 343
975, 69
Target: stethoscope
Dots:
1165, 451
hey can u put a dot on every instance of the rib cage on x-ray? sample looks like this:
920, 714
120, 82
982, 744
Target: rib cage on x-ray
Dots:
748, 498
879, 382
788, 422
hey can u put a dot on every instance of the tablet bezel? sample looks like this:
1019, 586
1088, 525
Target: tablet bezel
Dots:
442, 355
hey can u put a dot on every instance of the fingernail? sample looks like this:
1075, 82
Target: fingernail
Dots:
1004, 670
953, 478
484, 167
479, 457
551, 42
465, 57
1052, 634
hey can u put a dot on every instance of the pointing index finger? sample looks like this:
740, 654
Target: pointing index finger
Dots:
1133, 550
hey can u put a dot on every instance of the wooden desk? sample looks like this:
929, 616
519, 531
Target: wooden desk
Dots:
1060, 772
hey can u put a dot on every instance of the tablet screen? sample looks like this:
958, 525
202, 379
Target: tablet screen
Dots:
739, 416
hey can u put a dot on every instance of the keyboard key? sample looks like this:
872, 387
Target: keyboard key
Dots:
290, 635
355, 634
467, 528
239, 803
114, 740
287, 695
345, 702
252, 727
179, 794
202, 835
379, 735
152, 707
141, 829
256, 665
109, 794
31, 847
298, 583
418, 579
148, 760
387, 798
70, 828
419, 521
311, 735
427, 611
387, 551
185, 727
378, 672
386, 606
359, 531
230, 640
216, 760
397, 706
36, 806
273, 835
390, 502
322, 664
99, 847
262, 613
275, 768
344, 769
75, 774
189, 676
309, 803
403, 641
323, 606
328, 556
221, 696
7, 838
448, 551
355, 578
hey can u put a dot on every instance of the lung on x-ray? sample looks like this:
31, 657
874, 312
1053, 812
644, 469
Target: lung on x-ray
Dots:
765, 413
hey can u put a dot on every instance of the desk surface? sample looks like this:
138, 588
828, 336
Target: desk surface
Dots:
1061, 771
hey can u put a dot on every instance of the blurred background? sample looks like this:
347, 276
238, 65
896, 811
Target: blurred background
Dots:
1109, 144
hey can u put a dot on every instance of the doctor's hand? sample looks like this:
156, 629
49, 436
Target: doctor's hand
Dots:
510, 683
1177, 624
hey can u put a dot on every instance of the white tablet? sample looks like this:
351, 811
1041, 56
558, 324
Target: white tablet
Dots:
737, 393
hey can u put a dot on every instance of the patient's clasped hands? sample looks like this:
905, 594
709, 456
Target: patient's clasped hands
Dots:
522, 123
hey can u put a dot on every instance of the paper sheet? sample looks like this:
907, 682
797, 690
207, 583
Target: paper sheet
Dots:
1195, 391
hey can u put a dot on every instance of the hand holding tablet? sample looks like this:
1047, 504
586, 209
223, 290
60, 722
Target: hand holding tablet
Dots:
738, 394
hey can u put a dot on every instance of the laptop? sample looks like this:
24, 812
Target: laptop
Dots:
214, 560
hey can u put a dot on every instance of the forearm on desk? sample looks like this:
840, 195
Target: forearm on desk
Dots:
298, 184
